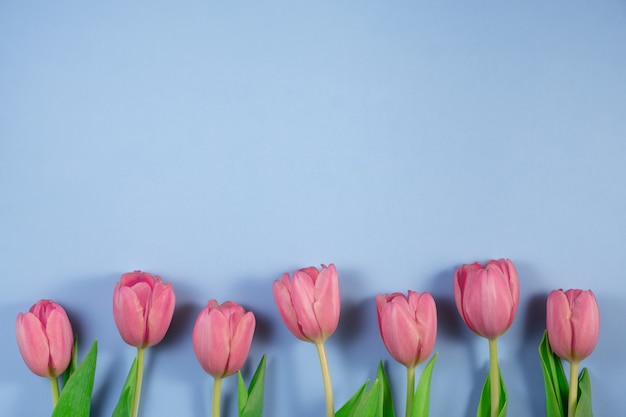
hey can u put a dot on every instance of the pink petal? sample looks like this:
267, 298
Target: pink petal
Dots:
282, 297
33, 343
302, 297
60, 339
129, 317
160, 314
327, 301
240, 343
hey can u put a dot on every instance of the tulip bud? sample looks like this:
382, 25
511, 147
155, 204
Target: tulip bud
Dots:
309, 303
45, 338
408, 326
573, 323
487, 297
222, 337
142, 308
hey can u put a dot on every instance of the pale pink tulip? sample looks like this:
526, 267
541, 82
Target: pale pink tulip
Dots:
408, 326
45, 338
487, 297
222, 337
573, 323
142, 308
309, 303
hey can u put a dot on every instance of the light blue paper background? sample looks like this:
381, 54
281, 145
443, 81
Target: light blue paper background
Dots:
222, 144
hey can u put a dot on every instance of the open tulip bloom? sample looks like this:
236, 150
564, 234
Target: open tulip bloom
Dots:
308, 303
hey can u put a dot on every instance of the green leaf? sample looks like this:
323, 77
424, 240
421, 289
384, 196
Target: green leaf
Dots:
348, 408
75, 399
554, 380
250, 401
421, 400
386, 400
484, 406
364, 403
369, 407
124, 407
583, 407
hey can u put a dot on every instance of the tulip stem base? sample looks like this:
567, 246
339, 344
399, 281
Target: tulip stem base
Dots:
217, 395
54, 388
328, 388
494, 376
141, 352
410, 389
573, 389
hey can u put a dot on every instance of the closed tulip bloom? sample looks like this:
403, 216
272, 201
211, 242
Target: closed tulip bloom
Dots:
309, 302
142, 308
222, 337
487, 297
45, 338
573, 323
408, 326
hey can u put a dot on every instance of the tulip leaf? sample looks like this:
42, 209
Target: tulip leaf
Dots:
421, 400
250, 401
348, 408
363, 403
75, 399
124, 407
554, 379
386, 400
583, 407
484, 406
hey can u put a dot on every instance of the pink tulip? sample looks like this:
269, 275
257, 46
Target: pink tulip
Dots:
573, 323
45, 338
408, 326
142, 308
222, 337
487, 297
309, 303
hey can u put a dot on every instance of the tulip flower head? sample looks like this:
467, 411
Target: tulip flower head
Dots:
142, 308
487, 297
222, 337
309, 302
408, 326
573, 323
45, 338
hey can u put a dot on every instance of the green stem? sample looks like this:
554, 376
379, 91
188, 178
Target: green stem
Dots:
54, 387
328, 387
217, 391
410, 389
140, 361
573, 389
494, 376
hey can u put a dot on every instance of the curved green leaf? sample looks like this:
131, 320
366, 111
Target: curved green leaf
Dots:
75, 399
583, 407
363, 403
554, 380
250, 401
386, 400
421, 400
124, 406
484, 407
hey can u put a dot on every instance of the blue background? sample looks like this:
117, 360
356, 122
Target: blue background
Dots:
222, 144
